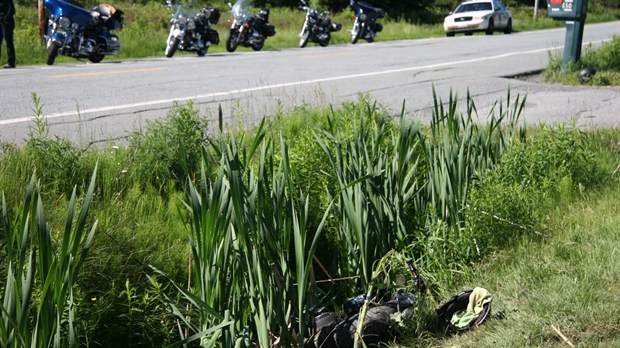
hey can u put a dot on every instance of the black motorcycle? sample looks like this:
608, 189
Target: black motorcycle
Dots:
317, 27
191, 31
246, 30
74, 31
365, 25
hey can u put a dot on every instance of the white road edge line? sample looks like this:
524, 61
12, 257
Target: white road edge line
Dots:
281, 85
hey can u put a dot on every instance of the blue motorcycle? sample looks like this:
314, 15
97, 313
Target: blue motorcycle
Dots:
365, 25
77, 32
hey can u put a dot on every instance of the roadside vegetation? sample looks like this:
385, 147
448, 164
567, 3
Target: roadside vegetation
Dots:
211, 234
146, 26
605, 60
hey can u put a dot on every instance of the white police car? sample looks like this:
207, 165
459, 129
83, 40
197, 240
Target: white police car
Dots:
479, 15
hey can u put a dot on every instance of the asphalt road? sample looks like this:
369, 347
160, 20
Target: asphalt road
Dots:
90, 103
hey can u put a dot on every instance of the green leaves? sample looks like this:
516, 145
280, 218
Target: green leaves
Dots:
57, 272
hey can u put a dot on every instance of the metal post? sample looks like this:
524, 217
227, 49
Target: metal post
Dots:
572, 43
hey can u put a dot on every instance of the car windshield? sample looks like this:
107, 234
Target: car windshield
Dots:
478, 6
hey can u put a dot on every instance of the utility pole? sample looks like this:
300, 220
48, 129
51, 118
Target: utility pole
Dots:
535, 9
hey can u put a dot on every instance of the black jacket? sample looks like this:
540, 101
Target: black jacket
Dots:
7, 10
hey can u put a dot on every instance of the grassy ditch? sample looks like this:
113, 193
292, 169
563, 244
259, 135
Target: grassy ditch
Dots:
147, 28
605, 60
217, 237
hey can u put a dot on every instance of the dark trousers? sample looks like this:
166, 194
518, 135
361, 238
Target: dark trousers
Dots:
6, 29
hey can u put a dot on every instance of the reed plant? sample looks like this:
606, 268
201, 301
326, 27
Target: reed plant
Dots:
38, 308
251, 251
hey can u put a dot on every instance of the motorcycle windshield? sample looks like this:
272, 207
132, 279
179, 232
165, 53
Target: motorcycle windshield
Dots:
73, 10
239, 9
184, 10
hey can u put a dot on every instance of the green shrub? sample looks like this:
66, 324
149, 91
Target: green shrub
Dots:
168, 149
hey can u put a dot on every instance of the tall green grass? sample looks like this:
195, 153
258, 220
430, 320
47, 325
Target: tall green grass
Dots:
295, 215
38, 307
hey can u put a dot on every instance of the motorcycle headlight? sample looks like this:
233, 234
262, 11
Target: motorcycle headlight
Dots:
64, 22
362, 17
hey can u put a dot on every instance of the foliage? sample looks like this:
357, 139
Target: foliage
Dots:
446, 194
38, 307
604, 59
168, 148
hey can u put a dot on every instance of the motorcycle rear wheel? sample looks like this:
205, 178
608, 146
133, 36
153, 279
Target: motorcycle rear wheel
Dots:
231, 40
356, 33
305, 37
258, 46
52, 52
202, 52
172, 47
324, 43
95, 58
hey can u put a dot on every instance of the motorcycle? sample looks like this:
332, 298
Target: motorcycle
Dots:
191, 31
246, 30
74, 31
365, 25
317, 27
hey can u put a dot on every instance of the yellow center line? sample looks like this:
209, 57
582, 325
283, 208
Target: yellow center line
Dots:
108, 72
328, 55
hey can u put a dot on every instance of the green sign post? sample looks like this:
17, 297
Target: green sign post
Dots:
573, 14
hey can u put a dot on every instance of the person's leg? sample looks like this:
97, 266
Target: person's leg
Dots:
1, 37
10, 47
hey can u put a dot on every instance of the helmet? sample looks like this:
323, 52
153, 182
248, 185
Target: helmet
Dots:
264, 12
460, 303
586, 74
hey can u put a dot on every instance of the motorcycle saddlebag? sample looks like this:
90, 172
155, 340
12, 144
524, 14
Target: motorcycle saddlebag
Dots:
213, 36
270, 30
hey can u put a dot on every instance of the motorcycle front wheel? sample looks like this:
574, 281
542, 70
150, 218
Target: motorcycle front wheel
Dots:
52, 52
172, 47
305, 37
231, 40
95, 57
356, 33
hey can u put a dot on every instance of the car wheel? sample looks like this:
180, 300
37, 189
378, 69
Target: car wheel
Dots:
490, 28
449, 34
508, 29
